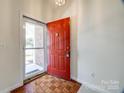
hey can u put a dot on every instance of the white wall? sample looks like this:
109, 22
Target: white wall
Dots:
9, 45
11, 75
101, 42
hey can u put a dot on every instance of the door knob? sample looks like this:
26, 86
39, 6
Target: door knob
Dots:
57, 34
67, 55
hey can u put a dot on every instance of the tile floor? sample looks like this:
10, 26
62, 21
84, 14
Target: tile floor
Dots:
49, 84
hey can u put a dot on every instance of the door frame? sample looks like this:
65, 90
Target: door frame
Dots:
22, 45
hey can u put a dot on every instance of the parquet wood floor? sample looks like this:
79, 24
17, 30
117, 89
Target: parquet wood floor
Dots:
49, 84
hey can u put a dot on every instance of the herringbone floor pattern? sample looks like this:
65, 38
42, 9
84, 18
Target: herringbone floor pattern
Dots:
49, 84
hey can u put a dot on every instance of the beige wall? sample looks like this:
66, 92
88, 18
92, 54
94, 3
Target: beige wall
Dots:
9, 45
101, 42
11, 73
34, 9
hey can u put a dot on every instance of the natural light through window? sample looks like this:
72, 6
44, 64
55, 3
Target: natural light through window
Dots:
34, 48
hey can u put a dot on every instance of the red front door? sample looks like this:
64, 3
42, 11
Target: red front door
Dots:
59, 48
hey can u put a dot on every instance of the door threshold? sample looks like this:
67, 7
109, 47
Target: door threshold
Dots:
34, 78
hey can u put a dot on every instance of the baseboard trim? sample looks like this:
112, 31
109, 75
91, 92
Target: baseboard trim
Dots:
7, 90
74, 78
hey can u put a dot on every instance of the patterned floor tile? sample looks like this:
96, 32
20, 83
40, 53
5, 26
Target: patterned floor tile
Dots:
49, 84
